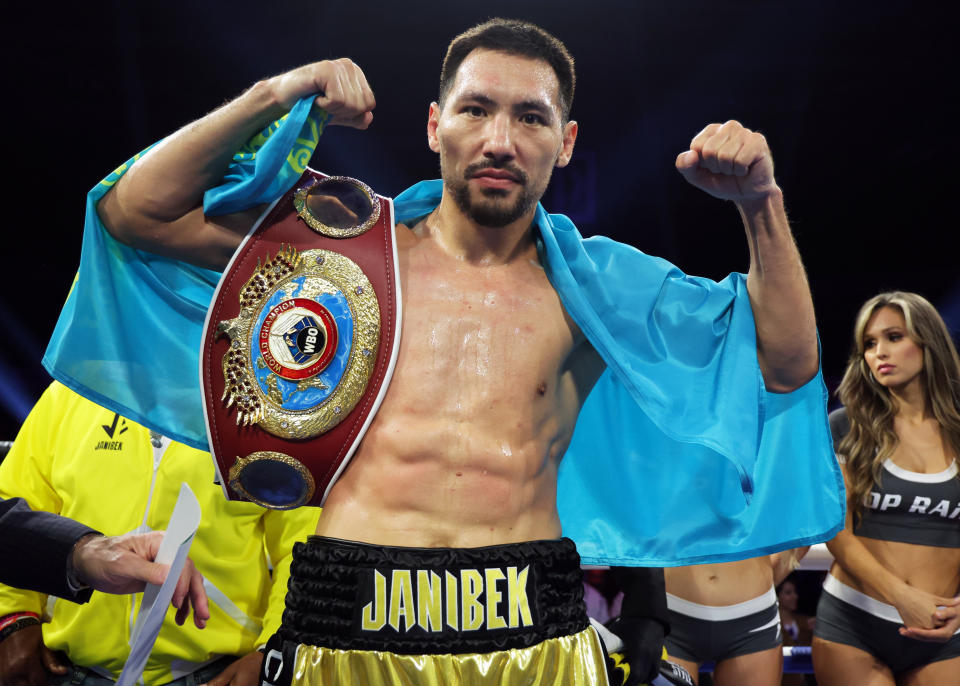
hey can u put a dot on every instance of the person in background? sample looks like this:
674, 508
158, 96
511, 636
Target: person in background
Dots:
888, 613
797, 628
465, 486
598, 608
75, 458
727, 613
55, 555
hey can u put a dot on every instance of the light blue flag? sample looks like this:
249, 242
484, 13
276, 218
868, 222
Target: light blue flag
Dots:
679, 454
129, 335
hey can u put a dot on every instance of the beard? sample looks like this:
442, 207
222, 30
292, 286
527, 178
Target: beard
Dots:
493, 209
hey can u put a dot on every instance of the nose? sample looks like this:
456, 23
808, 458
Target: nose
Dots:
880, 350
498, 138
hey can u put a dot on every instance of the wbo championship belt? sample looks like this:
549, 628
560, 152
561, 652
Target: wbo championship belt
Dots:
300, 342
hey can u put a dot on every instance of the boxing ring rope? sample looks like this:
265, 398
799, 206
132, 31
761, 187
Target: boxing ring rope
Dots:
817, 559
796, 660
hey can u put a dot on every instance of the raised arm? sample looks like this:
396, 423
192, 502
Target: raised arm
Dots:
158, 204
731, 162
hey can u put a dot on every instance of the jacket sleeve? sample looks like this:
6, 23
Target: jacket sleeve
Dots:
281, 530
25, 473
35, 548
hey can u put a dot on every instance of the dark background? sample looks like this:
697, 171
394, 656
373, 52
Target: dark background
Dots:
856, 99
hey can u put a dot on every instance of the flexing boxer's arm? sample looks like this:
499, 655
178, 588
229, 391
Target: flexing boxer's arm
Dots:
731, 162
158, 204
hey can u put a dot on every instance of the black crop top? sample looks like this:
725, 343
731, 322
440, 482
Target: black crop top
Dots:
906, 506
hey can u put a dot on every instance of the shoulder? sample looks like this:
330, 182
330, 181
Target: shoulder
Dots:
839, 427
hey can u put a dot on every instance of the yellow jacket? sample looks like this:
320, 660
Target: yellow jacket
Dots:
77, 459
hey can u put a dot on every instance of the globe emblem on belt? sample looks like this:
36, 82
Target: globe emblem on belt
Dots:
306, 339
298, 338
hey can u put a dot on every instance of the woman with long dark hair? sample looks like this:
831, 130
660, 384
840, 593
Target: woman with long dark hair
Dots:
888, 614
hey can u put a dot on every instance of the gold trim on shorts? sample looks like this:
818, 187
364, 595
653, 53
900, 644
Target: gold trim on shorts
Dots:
574, 659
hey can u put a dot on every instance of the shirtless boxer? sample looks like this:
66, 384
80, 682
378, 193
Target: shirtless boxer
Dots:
492, 371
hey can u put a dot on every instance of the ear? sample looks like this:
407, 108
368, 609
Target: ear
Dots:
433, 120
566, 148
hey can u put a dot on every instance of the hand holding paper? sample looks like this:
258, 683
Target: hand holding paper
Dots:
126, 564
172, 551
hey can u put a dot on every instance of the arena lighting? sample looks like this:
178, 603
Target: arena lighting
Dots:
949, 309
14, 398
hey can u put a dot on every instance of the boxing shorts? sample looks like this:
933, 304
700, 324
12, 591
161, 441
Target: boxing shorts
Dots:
504, 614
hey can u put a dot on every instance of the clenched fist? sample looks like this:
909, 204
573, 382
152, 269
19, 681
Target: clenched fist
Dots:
729, 162
341, 88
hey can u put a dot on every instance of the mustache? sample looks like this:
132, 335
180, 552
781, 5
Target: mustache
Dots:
479, 167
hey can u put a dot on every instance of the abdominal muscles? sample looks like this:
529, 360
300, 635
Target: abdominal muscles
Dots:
465, 448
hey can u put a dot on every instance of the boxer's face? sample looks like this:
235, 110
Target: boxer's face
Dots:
499, 135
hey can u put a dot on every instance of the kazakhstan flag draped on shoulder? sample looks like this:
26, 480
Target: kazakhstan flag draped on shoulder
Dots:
680, 455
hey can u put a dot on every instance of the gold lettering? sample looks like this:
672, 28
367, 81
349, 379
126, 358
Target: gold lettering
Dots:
401, 599
471, 609
429, 601
453, 617
518, 603
492, 576
375, 613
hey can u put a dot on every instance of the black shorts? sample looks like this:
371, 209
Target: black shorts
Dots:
845, 615
360, 613
703, 633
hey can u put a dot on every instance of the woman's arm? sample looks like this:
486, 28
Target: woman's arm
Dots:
917, 608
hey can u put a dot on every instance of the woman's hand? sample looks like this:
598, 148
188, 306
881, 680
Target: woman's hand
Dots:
921, 610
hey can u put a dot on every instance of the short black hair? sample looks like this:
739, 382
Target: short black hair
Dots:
513, 37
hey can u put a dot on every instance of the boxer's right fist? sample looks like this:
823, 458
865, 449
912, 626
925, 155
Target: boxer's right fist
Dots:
341, 88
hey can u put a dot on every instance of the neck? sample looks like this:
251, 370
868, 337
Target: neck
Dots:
464, 239
911, 401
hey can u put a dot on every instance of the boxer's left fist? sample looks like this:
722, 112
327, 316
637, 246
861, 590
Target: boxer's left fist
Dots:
729, 162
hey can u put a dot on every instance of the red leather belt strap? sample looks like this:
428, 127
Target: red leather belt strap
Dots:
300, 342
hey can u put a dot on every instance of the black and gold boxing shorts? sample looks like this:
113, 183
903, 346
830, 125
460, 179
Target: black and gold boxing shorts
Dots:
367, 614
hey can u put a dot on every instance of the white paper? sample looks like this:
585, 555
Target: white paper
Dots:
153, 608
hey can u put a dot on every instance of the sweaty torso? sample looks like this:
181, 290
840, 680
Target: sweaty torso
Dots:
490, 377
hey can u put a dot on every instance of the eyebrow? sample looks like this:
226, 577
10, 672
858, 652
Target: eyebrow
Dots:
476, 96
888, 329
523, 106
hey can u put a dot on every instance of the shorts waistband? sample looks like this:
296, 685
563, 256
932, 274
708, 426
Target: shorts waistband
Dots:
862, 601
357, 596
852, 596
720, 613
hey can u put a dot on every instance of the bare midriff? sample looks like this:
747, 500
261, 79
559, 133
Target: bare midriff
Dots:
465, 448
726, 583
934, 570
